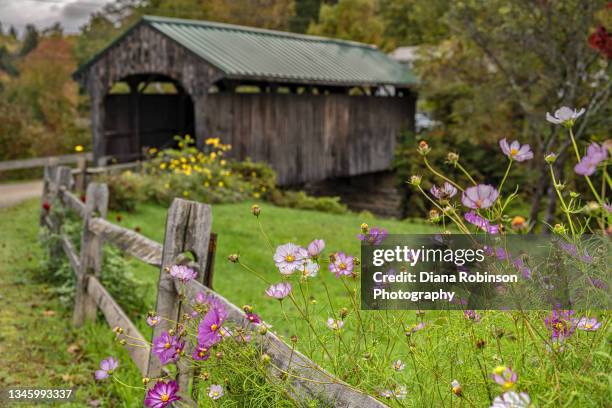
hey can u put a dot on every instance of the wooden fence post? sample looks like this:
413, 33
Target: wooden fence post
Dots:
81, 178
96, 205
188, 228
48, 180
62, 179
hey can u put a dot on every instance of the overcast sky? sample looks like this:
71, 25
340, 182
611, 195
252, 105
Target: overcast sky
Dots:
43, 13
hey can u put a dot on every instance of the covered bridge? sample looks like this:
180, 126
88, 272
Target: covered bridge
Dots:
313, 108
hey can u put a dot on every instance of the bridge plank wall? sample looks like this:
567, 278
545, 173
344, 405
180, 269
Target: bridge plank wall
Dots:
308, 138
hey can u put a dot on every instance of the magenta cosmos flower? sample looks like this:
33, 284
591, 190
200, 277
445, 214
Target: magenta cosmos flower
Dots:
505, 377
107, 366
480, 196
209, 328
279, 291
342, 264
182, 273
316, 247
560, 324
162, 394
587, 324
201, 353
375, 236
445, 192
481, 222
289, 257
516, 151
471, 315
167, 348
215, 391
253, 318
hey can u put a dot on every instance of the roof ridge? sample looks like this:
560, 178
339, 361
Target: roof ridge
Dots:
236, 27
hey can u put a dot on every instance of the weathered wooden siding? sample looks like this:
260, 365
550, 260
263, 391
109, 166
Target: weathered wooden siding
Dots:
310, 137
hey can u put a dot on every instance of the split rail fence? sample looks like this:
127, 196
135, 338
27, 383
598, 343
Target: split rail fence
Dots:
188, 232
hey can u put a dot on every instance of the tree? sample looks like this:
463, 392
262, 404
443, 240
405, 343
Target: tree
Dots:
306, 13
272, 14
30, 40
355, 20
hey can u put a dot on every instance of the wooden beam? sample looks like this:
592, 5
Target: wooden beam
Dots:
43, 161
73, 202
116, 317
71, 253
129, 241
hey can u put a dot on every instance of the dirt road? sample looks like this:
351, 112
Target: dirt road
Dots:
14, 193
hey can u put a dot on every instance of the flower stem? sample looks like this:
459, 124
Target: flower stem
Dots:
466, 174
505, 175
565, 209
443, 177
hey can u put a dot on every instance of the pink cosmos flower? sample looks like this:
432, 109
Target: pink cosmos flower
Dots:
215, 391
107, 366
310, 269
208, 329
564, 116
375, 236
414, 328
167, 348
342, 264
182, 273
162, 394
512, 399
253, 318
333, 324
201, 353
153, 320
315, 247
588, 164
473, 218
279, 291
445, 192
471, 315
587, 324
560, 324
480, 196
515, 151
505, 377
289, 257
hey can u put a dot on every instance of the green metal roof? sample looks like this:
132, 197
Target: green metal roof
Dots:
258, 54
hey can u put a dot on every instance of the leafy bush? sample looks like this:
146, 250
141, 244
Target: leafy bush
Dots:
301, 200
125, 190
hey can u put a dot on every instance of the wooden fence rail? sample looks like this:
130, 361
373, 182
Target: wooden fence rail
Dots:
44, 161
188, 237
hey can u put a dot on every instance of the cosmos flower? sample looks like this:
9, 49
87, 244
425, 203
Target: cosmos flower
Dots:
480, 196
253, 318
310, 269
208, 329
515, 151
342, 264
215, 391
456, 388
201, 353
400, 392
333, 324
414, 328
564, 116
107, 366
153, 320
481, 222
398, 365
445, 192
512, 399
375, 236
167, 347
289, 257
316, 247
471, 315
279, 291
505, 377
560, 324
182, 273
212, 302
587, 324
588, 164
162, 394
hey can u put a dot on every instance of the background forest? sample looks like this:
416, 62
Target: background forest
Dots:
489, 69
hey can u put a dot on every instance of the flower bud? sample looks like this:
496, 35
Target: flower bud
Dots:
247, 308
452, 158
480, 343
356, 261
265, 358
219, 355
423, 148
550, 158
434, 215
591, 207
205, 376
255, 210
343, 312
560, 186
365, 228
456, 388
118, 330
233, 258
415, 180
122, 342
559, 229
574, 194
145, 380
518, 223
294, 339
262, 329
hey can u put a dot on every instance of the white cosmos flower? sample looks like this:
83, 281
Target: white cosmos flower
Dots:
564, 115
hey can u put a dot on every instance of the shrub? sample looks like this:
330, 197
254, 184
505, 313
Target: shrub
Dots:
301, 200
125, 190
